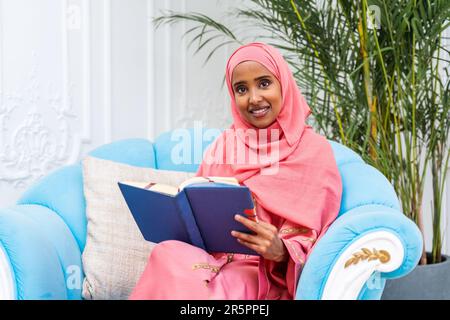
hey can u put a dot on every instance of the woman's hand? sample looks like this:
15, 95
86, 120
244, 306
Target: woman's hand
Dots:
265, 242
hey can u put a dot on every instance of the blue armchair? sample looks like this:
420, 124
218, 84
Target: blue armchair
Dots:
43, 235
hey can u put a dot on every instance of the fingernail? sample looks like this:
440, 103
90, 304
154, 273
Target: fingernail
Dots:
233, 233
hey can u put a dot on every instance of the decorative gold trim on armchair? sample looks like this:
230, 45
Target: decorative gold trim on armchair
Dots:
366, 254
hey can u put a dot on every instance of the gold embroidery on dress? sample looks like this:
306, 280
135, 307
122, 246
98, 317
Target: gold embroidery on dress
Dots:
296, 254
308, 239
214, 269
294, 230
206, 266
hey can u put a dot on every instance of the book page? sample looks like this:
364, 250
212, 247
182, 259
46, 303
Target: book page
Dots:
157, 187
226, 180
172, 190
137, 184
164, 188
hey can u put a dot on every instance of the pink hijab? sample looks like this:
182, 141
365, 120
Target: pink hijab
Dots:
304, 186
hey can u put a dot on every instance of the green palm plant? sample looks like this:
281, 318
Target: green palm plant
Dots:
379, 86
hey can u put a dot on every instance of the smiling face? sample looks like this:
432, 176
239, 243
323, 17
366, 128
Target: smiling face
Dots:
257, 93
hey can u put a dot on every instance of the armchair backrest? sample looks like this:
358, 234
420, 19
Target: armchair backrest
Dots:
181, 150
362, 183
62, 190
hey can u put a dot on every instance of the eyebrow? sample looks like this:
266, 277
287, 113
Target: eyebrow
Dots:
256, 79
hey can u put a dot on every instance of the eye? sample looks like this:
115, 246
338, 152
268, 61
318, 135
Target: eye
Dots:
241, 89
265, 83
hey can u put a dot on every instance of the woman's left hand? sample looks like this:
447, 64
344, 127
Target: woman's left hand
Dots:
266, 241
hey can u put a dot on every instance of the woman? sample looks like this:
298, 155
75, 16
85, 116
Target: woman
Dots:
297, 191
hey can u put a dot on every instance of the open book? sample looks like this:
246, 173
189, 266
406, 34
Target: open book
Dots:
199, 211
173, 190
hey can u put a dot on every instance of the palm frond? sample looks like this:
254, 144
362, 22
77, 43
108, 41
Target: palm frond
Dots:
383, 92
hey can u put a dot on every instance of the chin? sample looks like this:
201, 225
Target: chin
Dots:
262, 125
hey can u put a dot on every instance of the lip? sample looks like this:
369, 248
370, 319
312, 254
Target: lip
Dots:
261, 115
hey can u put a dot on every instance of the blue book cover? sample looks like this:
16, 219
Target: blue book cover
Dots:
201, 214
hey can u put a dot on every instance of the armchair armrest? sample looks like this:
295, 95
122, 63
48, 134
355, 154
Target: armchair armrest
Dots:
366, 241
7, 280
39, 256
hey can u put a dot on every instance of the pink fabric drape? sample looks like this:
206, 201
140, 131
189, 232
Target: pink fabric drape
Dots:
296, 187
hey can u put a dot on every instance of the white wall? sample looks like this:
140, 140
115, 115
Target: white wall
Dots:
76, 74
428, 194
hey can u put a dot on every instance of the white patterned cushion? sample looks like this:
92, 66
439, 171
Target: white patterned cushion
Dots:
116, 253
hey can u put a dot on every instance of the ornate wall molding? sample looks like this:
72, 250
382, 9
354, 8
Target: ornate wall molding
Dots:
168, 71
39, 120
34, 140
197, 89
107, 70
151, 130
183, 58
210, 105
87, 123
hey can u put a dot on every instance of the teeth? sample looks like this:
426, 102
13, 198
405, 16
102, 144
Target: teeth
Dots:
260, 110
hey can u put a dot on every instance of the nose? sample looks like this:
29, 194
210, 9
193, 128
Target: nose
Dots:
254, 97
